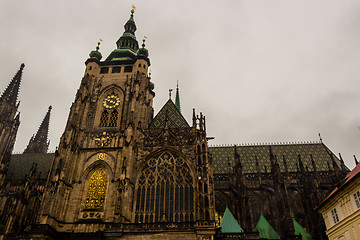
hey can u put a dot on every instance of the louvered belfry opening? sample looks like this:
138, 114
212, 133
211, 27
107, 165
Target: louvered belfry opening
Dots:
165, 191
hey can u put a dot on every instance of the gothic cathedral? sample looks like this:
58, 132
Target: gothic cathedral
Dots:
120, 172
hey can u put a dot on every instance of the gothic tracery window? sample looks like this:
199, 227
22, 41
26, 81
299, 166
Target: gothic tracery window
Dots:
95, 197
113, 118
165, 191
104, 118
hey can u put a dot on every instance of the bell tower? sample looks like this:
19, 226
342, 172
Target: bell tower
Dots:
120, 171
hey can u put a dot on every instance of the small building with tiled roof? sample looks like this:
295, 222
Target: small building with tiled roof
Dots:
341, 208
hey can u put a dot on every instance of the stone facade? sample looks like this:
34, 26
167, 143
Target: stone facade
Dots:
120, 172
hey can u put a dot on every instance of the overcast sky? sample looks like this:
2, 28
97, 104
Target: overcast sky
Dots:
261, 71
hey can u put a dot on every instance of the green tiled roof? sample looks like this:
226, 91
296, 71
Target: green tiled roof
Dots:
20, 165
265, 229
229, 223
319, 151
175, 118
300, 230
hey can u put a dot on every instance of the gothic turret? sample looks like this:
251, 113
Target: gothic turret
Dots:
39, 143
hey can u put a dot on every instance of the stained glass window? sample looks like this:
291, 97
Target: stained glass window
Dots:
95, 196
104, 118
165, 191
113, 118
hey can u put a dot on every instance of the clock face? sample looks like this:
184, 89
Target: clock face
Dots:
111, 101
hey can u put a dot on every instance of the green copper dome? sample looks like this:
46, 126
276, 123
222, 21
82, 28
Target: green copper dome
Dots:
143, 51
127, 45
96, 54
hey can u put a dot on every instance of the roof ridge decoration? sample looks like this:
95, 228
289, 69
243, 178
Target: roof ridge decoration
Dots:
265, 144
169, 115
11, 92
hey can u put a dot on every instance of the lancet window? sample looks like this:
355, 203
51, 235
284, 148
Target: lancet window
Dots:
104, 118
165, 191
113, 118
95, 197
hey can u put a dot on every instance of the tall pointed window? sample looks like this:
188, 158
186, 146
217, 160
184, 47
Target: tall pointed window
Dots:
113, 118
165, 191
104, 118
95, 197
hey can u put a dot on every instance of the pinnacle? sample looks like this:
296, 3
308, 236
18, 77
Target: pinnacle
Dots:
39, 143
11, 92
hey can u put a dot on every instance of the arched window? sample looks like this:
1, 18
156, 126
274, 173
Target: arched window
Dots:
165, 191
104, 118
113, 118
95, 197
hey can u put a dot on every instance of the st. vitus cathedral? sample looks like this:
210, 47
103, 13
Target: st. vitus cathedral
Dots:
121, 173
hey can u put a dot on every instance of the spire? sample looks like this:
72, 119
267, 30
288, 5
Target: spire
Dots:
128, 39
177, 98
11, 92
39, 143
356, 161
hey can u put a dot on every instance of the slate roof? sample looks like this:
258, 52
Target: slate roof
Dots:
20, 165
221, 156
175, 118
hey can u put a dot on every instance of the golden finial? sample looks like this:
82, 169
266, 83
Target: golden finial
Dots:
133, 9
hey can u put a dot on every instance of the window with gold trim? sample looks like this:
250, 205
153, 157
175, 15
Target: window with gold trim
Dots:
95, 197
165, 191
104, 118
113, 118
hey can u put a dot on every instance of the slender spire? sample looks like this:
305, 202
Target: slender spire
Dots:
11, 92
39, 143
177, 98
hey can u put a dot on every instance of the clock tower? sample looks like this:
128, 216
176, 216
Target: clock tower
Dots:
120, 172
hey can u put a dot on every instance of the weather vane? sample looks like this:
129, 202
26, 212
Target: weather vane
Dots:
133, 8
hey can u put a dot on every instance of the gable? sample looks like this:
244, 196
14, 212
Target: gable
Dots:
174, 117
